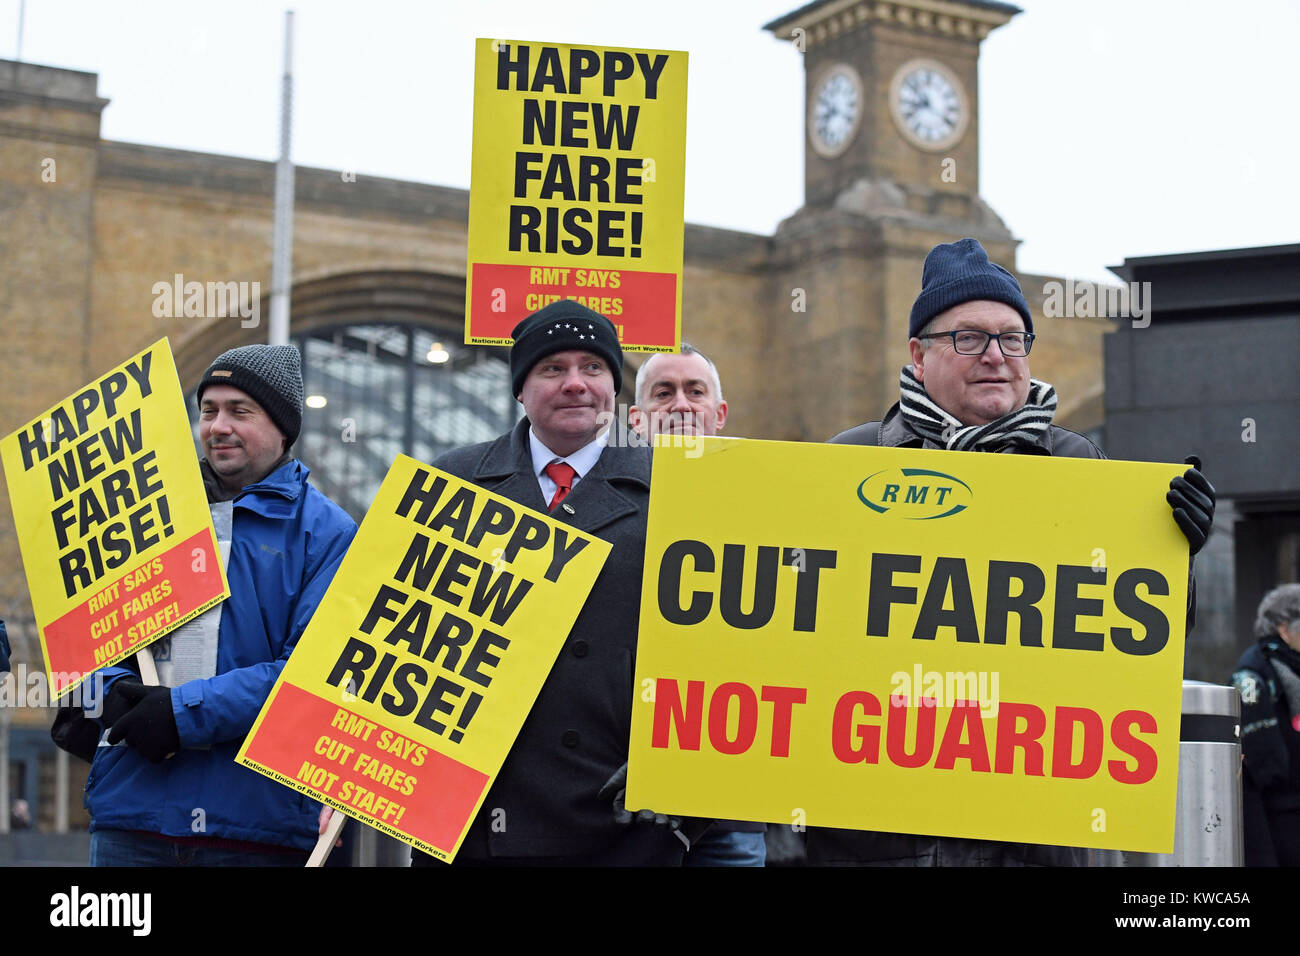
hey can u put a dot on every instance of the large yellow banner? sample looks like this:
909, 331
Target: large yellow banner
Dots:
947, 643
577, 188
403, 696
112, 519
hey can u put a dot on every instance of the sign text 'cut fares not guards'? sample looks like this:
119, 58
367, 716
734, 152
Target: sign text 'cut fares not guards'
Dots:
946, 643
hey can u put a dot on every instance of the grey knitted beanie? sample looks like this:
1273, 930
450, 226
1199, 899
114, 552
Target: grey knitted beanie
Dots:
270, 374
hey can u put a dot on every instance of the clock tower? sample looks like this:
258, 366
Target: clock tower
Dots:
891, 169
891, 90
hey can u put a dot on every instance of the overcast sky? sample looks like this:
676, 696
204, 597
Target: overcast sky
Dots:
1109, 128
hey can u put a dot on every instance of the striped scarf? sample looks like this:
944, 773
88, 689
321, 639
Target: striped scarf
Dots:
1025, 425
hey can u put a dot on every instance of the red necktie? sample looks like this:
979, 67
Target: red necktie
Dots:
562, 473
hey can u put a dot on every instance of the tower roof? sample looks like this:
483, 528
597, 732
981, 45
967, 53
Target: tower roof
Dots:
968, 18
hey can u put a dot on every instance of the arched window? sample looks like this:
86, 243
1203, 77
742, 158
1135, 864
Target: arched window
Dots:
377, 391
385, 374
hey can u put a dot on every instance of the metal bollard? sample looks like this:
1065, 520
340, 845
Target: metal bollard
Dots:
1208, 828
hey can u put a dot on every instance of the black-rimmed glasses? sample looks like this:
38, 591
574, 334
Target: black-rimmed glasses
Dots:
976, 342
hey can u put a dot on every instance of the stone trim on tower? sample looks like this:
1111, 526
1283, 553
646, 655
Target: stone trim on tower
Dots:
825, 20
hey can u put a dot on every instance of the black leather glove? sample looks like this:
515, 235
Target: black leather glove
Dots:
615, 789
686, 829
121, 697
1191, 496
149, 726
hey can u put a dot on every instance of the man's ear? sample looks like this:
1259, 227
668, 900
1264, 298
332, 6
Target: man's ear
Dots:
637, 419
917, 348
720, 416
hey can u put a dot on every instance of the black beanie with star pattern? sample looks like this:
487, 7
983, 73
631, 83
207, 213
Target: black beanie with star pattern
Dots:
559, 327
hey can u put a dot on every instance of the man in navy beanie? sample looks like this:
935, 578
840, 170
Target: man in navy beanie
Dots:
968, 388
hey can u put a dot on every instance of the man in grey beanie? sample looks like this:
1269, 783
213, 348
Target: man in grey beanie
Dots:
968, 388
259, 387
165, 789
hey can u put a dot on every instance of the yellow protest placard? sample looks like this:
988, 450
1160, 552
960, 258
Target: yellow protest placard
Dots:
112, 519
948, 643
577, 188
403, 696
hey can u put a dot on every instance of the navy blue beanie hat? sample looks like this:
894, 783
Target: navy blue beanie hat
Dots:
561, 326
958, 272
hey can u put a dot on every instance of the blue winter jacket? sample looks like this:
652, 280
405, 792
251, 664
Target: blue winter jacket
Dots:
287, 540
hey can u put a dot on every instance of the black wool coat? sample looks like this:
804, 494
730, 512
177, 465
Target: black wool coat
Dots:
544, 806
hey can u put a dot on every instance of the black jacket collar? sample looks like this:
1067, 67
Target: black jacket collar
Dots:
595, 501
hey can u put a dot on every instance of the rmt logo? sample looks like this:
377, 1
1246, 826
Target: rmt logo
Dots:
915, 494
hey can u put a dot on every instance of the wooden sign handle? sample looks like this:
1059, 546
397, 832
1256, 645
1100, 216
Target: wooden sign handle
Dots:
327, 839
148, 672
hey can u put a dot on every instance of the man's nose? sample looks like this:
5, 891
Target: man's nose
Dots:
993, 354
220, 424
573, 381
680, 402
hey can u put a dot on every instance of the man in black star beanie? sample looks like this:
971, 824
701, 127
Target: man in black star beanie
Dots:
565, 369
563, 325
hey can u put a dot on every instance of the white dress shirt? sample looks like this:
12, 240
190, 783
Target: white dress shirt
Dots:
581, 461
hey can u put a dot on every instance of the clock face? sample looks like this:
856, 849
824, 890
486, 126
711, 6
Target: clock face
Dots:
835, 111
928, 104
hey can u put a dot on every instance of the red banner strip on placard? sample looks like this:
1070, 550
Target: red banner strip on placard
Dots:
141, 605
642, 305
366, 766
